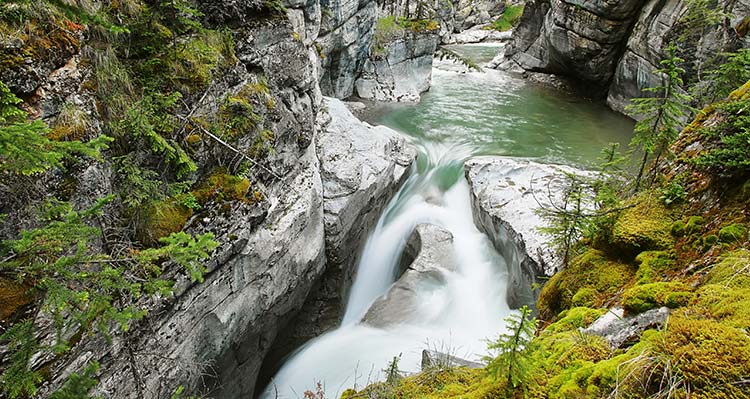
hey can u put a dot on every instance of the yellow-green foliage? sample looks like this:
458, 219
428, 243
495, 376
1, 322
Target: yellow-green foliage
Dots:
221, 186
193, 62
563, 357
726, 293
42, 31
163, 218
653, 265
71, 124
574, 318
600, 277
710, 357
240, 114
391, 28
671, 294
645, 226
733, 233
452, 383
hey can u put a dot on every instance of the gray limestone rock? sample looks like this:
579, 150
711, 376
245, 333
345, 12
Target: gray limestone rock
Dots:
618, 329
361, 167
504, 195
431, 247
401, 70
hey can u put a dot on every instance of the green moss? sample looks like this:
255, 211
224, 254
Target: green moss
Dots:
241, 114
562, 361
584, 297
678, 228
592, 270
511, 16
221, 186
652, 265
694, 225
733, 233
574, 318
710, 355
726, 294
648, 296
192, 64
645, 226
163, 218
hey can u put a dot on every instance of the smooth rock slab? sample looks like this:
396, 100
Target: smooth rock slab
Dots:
434, 257
503, 199
362, 167
618, 329
402, 71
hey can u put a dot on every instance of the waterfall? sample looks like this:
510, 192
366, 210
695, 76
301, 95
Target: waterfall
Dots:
454, 316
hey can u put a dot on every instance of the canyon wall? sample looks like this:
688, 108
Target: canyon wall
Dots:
615, 46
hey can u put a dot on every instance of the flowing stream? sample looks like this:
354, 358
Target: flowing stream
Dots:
463, 115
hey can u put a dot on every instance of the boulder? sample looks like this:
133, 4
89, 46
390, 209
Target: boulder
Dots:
433, 247
401, 70
505, 193
438, 360
619, 329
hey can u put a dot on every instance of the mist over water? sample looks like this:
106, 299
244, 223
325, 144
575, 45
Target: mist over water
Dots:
463, 115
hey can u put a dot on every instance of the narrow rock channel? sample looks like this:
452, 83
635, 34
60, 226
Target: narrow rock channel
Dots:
456, 280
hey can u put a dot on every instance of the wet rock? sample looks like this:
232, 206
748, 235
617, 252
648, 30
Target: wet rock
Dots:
618, 329
401, 70
361, 167
433, 246
438, 360
479, 34
346, 33
504, 194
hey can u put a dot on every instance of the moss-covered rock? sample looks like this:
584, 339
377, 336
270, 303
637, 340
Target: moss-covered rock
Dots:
736, 232
725, 295
645, 226
591, 270
574, 318
13, 297
162, 218
221, 186
652, 265
648, 296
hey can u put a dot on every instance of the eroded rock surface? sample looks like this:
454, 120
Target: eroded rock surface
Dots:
433, 247
616, 45
401, 70
361, 167
504, 195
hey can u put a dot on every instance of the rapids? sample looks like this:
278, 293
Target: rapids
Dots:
463, 115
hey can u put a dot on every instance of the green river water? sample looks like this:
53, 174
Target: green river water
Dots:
495, 113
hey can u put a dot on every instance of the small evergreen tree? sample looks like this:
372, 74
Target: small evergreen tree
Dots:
513, 347
725, 78
567, 218
24, 146
83, 290
662, 114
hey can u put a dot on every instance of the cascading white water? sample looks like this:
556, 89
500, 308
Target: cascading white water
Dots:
462, 115
456, 316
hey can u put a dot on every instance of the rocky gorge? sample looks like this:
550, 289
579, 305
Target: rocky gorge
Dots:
339, 243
